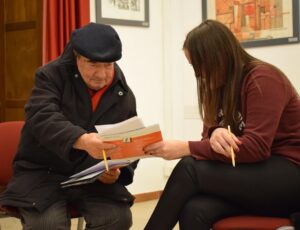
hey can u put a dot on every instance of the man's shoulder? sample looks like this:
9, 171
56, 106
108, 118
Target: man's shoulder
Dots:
62, 63
49, 67
54, 73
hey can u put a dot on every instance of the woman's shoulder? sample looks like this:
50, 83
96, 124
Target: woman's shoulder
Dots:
265, 78
264, 72
264, 69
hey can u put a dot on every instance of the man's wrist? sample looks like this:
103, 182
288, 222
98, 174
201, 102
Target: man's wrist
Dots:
80, 142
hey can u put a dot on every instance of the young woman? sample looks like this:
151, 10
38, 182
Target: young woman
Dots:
262, 108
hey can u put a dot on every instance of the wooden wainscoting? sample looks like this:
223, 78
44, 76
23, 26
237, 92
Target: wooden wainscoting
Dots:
147, 196
21, 54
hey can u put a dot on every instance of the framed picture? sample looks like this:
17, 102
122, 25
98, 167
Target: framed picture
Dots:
256, 22
123, 12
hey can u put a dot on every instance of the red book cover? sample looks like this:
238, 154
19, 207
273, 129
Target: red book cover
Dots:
131, 147
131, 136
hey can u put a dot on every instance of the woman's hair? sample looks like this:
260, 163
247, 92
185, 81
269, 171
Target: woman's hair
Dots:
218, 60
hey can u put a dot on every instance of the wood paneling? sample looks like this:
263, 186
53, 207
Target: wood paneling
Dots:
21, 44
147, 196
20, 26
22, 10
14, 114
21, 50
2, 63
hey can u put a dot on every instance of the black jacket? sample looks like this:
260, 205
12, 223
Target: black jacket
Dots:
57, 113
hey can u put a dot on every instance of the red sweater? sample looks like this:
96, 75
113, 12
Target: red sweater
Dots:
271, 114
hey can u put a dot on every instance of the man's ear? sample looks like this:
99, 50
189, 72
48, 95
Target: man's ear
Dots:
77, 55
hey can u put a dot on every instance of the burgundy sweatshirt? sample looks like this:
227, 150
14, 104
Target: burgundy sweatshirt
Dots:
271, 120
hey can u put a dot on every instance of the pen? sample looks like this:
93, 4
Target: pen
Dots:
105, 159
231, 149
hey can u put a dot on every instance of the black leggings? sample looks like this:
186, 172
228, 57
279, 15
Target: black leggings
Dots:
198, 193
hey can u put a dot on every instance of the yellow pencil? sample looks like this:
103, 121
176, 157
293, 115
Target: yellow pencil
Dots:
105, 159
231, 150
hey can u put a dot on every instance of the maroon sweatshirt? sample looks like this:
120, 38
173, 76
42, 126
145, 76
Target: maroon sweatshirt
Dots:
270, 120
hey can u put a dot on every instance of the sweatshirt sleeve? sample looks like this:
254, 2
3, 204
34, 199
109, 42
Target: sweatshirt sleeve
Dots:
264, 95
201, 150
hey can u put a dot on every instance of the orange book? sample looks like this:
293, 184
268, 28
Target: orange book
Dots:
132, 143
131, 136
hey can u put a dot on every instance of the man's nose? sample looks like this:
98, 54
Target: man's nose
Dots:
99, 72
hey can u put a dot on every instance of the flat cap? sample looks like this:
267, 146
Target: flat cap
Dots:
97, 42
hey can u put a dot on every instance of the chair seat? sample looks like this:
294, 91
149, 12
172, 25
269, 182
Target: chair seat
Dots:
9, 139
9, 211
251, 223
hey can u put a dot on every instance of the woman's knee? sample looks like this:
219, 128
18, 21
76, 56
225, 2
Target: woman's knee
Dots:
186, 163
185, 169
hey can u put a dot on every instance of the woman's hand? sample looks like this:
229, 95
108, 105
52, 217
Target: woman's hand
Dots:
110, 177
169, 150
221, 141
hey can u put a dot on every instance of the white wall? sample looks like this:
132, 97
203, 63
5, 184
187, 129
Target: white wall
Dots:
285, 57
143, 66
164, 82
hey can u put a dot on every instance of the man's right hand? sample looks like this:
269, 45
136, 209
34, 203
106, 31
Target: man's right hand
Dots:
93, 145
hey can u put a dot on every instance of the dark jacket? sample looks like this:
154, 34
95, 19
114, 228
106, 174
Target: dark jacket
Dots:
57, 113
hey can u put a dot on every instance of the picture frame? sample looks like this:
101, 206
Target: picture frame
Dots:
123, 12
257, 23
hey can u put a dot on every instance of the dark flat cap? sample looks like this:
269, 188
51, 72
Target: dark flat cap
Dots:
97, 42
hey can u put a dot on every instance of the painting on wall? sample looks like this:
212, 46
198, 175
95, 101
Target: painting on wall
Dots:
123, 12
257, 22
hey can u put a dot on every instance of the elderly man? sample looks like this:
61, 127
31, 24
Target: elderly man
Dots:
82, 88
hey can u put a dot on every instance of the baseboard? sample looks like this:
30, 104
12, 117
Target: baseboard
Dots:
147, 196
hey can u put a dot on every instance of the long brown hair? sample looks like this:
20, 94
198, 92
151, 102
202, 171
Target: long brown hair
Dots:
218, 60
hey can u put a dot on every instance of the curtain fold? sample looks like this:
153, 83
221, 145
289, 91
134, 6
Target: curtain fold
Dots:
60, 18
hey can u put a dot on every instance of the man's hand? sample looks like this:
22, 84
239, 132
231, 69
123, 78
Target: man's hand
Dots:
110, 177
92, 143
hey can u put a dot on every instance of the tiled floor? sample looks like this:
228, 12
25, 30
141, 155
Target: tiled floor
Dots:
140, 211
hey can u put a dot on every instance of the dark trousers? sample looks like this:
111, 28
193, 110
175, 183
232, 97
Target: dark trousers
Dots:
198, 193
99, 214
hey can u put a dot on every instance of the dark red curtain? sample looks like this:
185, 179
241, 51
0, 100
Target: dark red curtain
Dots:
60, 18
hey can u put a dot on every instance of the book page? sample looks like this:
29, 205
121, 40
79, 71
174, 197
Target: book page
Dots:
90, 174
121, 127
101, 167
125, 136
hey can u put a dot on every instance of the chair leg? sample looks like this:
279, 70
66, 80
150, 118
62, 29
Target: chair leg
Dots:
80, 223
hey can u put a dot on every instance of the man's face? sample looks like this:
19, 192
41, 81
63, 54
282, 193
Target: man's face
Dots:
96, 75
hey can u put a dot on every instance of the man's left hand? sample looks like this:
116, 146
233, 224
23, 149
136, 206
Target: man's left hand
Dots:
110, 177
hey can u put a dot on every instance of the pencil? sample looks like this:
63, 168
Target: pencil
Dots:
105, 159
231, 149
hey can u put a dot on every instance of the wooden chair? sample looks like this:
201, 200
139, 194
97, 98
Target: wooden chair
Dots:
10, 132
253, 223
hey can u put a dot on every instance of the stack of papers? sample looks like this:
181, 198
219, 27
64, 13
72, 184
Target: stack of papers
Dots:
91, 174
131, 136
